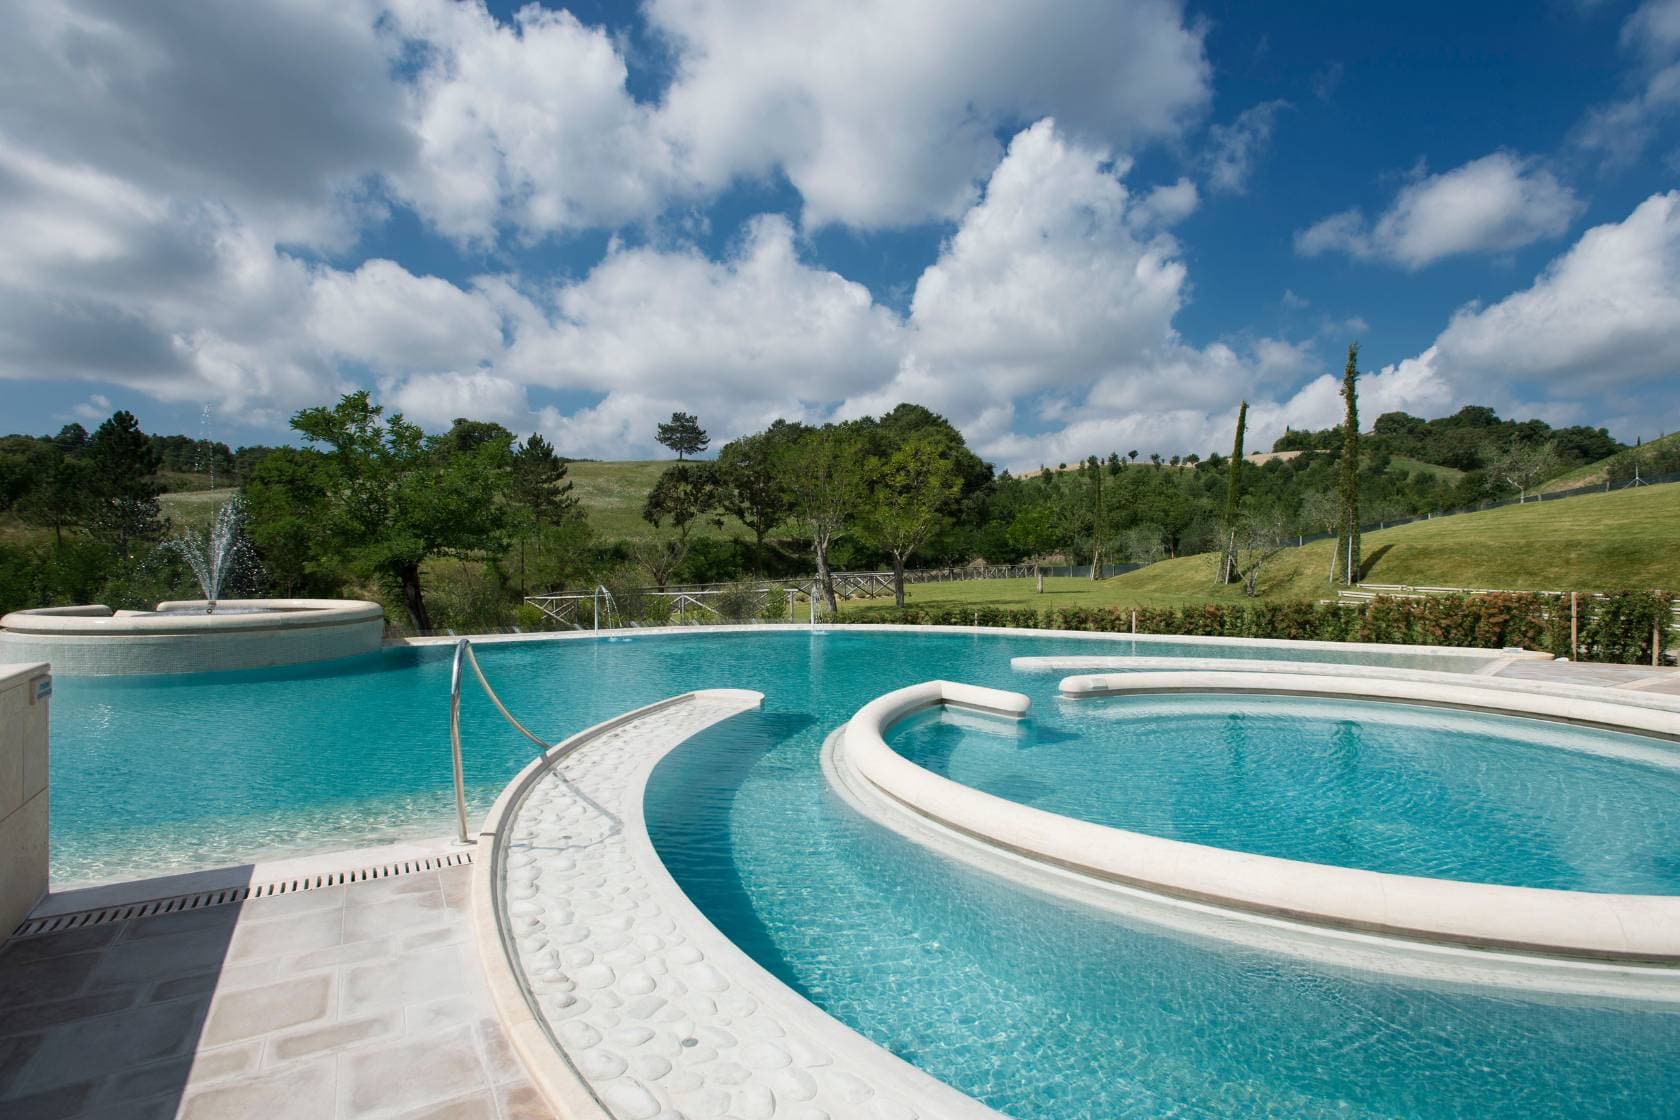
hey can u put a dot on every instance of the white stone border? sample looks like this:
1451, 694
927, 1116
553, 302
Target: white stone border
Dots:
1448, 652
282, 614
1085, 667
1639, 928
761, 1044
92, 641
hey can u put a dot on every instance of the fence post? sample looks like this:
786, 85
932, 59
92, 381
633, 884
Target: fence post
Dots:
1656, 643
1574, 625
1134, 620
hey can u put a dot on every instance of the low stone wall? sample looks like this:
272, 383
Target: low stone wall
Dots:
24, 697
97, 642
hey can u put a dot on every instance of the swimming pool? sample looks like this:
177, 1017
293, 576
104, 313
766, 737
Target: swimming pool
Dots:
169, 772
1038, 1007
1379, 786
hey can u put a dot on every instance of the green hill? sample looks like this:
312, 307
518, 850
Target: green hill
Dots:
1626, 540
1595, 473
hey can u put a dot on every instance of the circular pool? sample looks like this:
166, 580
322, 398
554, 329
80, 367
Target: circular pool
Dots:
191, 636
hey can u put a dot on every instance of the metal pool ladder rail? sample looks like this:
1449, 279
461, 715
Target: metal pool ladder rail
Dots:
465, 655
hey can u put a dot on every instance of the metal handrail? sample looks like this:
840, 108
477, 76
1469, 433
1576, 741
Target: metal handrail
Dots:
464, 653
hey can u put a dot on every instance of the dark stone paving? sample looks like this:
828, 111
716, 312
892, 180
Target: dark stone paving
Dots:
358, 1001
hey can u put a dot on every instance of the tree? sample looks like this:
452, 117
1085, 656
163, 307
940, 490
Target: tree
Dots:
683, 435
909, 495
541, 491
1524, 467
1347, 541
1093, 472
747, 484
57, 494
395, 498
1322, 512
683, 495
1260, 535
1233, 498
823, 474
1143, 543
285, 497
122, 486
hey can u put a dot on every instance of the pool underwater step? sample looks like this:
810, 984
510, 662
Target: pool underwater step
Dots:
223, 896
619, 995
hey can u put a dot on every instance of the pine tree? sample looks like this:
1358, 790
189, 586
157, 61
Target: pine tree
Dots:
122, 485
1233, 498
1347, 541
683, 434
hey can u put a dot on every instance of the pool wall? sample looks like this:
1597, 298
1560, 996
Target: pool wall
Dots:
1644, 928
94, 641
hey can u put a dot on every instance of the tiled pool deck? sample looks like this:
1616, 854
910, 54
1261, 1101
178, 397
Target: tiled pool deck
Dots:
362, 1000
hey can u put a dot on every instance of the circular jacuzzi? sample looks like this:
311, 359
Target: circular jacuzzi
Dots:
191, 636
1444, 812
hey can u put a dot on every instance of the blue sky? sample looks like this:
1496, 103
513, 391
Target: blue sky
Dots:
1073, 229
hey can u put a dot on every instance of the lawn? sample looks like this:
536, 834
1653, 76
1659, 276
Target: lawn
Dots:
1626, 540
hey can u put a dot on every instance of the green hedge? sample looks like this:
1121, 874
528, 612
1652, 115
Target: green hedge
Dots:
1617, 628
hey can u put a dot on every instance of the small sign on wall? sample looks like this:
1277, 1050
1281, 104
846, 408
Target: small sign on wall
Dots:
40, 688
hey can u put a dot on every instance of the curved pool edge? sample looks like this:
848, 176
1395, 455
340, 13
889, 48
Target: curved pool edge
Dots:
94, 641
1635, 929
788, 1046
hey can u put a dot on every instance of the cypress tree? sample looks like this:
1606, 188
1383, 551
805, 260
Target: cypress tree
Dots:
1233, 498
1347, 541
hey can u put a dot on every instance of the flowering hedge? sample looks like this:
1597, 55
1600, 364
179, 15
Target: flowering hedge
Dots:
1618, 627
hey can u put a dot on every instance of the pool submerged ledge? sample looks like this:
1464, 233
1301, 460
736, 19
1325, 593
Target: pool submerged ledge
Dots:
1576, 925
620, 996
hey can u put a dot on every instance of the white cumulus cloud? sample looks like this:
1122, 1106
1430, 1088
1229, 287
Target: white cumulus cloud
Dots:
1494, 204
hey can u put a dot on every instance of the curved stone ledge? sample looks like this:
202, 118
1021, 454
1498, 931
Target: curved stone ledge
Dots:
1639, 928
1086, 667
622, 1000
95, 641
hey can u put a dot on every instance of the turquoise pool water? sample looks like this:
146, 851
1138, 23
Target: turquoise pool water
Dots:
1385, 787
1039, 1008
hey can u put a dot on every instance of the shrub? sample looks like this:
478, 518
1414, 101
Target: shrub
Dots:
1617, 627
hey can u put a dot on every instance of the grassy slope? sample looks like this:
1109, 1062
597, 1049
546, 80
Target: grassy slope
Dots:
1599, 471
612, 495
1597, 542
1414, 466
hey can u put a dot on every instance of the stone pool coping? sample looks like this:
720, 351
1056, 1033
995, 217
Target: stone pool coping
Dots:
1447, 652
605, 1055
98, 619
1087, 668
1575, 924
92, 641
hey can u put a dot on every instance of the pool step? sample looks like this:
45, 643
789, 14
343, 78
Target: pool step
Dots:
80, 919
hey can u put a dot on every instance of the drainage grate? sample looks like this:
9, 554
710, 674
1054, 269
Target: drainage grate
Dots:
198, 901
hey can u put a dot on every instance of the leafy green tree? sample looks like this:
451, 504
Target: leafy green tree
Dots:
396, 499
683, 435
58, 493
122, 485
1233, 498
685, 494
910, 494
823, 473
748, 487
286, 498
1347, 542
